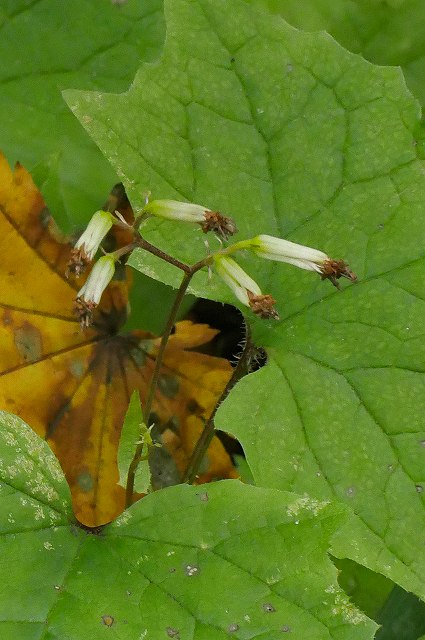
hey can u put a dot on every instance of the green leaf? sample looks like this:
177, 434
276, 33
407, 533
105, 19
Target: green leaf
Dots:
150, 304
132, 431
368, 590
48, 46
402, 617
387, 33
293, 136
196, 564
312, 432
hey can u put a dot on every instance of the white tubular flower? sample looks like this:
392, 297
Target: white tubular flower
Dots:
89, 242
215, 221
281, 250
91, 292
175, 210
303, 257
236, 278
244, 287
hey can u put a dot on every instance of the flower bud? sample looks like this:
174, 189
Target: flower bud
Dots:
222, 225
244, 287
303, 257
282, 250
175, 210
91, 292
89, 242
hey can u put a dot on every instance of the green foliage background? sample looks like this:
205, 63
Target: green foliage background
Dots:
317, 146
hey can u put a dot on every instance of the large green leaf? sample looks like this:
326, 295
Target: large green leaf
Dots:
47, 46
388, 33
181, 563
402, 617
294, 136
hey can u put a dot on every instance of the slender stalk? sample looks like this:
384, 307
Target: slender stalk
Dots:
154, 381
239, 371
167, 331
144, 244
207, 434
124, 250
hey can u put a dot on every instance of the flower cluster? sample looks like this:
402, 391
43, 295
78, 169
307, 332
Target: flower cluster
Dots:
242, 285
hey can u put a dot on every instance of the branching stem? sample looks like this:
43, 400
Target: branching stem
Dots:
207, 434
189, 272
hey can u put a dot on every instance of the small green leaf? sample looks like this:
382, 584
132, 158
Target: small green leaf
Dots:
198, 564
134, 430
243, 469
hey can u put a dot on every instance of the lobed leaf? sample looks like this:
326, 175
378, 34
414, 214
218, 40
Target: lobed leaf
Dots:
181, 563
293, 136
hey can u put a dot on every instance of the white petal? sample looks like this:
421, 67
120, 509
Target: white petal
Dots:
175, 210
279, 249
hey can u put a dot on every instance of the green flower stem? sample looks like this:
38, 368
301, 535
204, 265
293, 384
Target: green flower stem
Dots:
201, 447
154, 382
189, 272
147, 246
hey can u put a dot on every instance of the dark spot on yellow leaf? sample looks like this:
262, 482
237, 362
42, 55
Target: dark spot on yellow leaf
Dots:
77, 368
108, 621
146, 345
139, 356
194, 407
174, 424
28, 342
168, 385
85, 481
6, 318
45, 217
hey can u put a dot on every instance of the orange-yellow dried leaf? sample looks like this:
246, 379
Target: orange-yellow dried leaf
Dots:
73, 386
217, 463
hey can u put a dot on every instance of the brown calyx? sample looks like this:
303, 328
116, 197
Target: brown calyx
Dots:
223, 226
334, 269
77, 263
84, 311
263, 306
